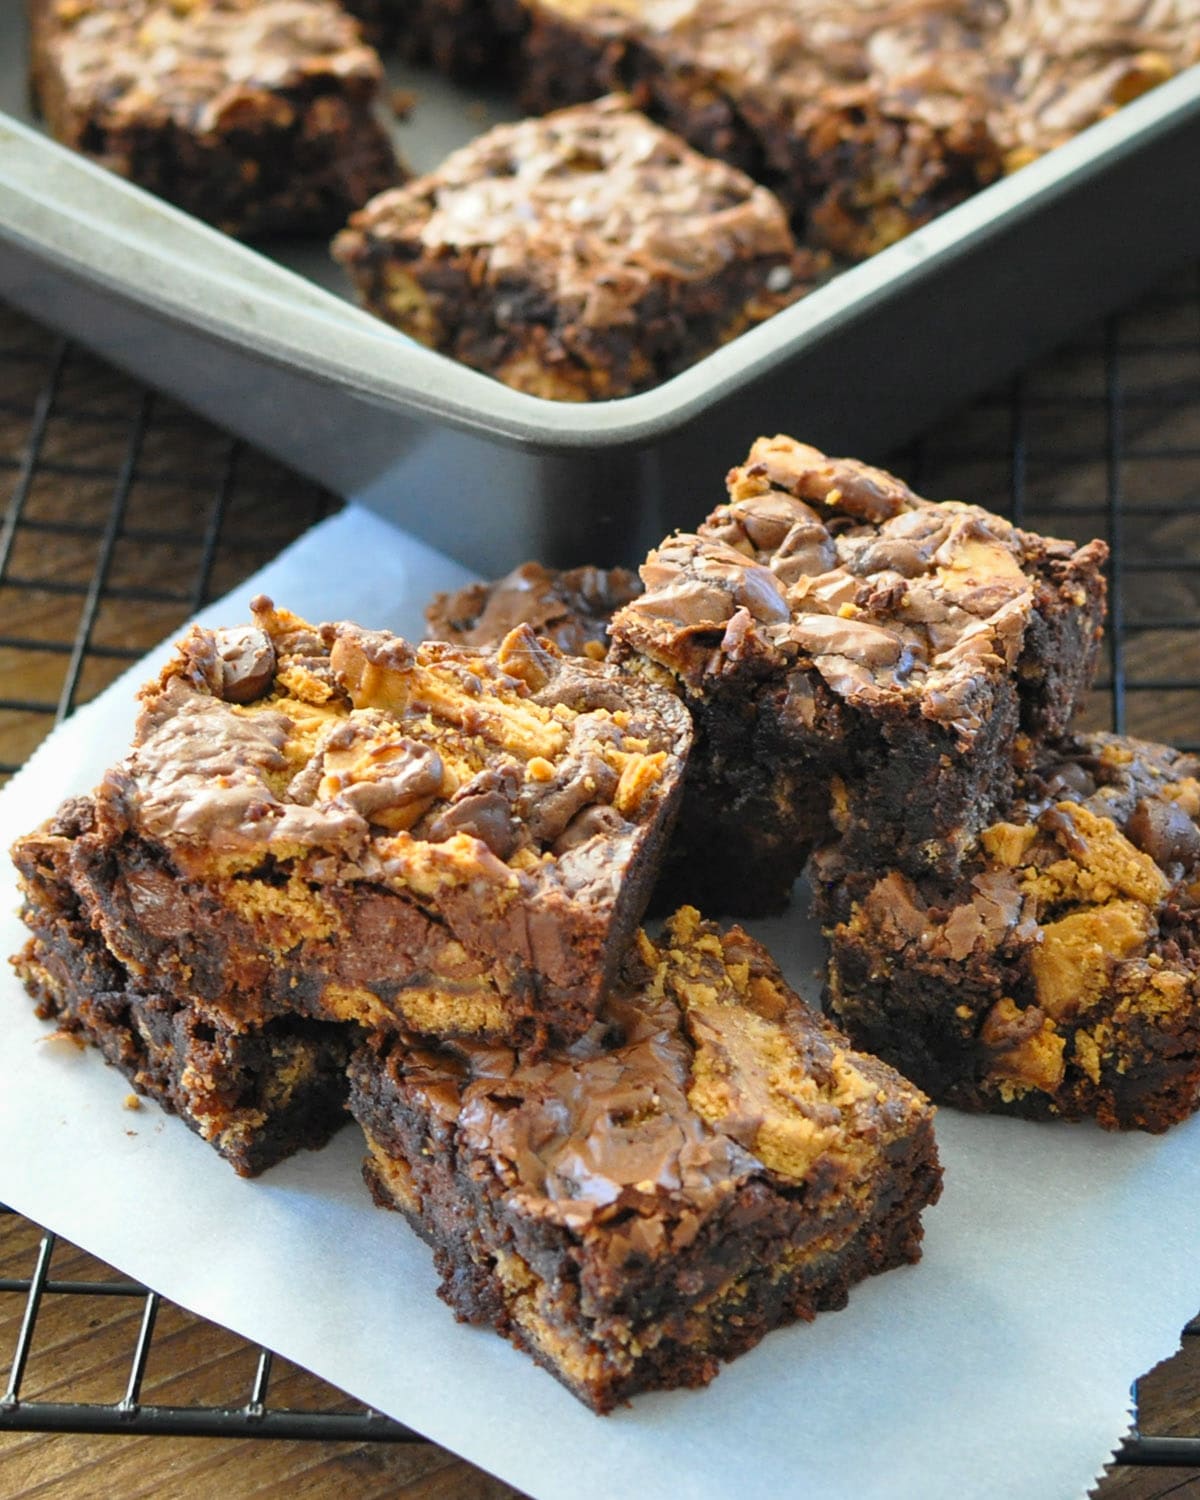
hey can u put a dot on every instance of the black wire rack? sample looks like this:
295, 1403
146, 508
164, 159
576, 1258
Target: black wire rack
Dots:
1102, 439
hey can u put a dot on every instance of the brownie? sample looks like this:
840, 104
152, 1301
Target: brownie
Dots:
710, 1162
331, 822
579, 257
570, 607
1056, 971
257, 1093
855, 658
465, 39
868, 118
255, 115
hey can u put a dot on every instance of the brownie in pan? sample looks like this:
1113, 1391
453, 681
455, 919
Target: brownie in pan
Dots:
255, 115
463, 39
868, 117
709, 1162
584, 256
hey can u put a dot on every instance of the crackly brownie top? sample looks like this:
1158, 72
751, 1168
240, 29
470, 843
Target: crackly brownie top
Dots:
830, 561
572, 608
1005, 77
1095, 877
355, 753
207, 64
594, 204
705, 1072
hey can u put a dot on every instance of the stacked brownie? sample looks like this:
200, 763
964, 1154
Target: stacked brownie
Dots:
463, 39
257, 1089
1013, 911
337, 868
857, 660
337, 863
709, 1161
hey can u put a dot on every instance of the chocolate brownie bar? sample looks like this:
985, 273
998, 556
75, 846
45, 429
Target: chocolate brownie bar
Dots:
585, 256
257, 1093
252, 114
709, 1163
868, 117
572, 608
1056, 971
329, 821
855, 658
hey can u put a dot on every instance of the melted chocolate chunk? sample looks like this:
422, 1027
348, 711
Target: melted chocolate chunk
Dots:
484, 809
1164, 831
247, 659
548, 807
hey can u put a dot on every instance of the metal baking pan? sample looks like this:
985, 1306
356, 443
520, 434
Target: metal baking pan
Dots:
271, 349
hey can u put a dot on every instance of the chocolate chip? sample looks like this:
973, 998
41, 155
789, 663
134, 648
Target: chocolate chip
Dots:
548, 807
691, 601
768, 519
1161, 829
486, 816
1058, 821
413, 777
1071, 777
76, 816
592, 821
247, 660
484, 809
757, 591
805, 552
888, 555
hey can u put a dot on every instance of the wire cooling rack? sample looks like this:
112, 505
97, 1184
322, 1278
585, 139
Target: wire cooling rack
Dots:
124, 514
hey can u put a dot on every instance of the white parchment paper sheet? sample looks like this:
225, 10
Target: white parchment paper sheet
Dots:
1060, 1263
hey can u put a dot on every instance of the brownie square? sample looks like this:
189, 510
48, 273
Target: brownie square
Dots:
855, 658
256, 1092
710, 1162
255, 115
867, 119
571, 607
331, 822
1055, 972
583, 256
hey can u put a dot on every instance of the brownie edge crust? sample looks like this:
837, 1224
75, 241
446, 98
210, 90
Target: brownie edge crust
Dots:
709, 1163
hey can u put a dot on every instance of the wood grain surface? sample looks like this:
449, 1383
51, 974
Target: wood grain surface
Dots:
123, 513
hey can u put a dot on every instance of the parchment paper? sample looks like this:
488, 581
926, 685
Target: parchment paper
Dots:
1060, 1263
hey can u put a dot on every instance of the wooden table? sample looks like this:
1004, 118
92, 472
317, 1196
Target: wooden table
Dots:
125, 513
